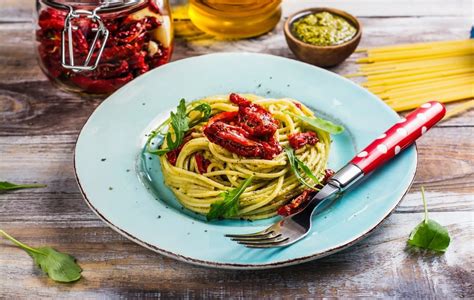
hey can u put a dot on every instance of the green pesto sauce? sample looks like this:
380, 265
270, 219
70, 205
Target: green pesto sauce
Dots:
323, 29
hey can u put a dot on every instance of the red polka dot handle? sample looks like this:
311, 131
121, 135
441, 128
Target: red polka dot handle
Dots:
399, 136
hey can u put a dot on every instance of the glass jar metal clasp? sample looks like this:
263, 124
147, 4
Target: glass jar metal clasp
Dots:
102, 34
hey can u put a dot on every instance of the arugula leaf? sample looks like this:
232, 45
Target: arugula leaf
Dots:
229, 205
319, 123
429, 234
296, 165
160, 151
7, 186
179, 121
58, 266
205, 109
307, 170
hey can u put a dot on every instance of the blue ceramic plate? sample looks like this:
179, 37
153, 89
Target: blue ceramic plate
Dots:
115, 176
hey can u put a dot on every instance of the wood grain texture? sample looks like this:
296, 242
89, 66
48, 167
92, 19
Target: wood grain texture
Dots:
31, 104
22, 10
379, 266
49, 159
39, 125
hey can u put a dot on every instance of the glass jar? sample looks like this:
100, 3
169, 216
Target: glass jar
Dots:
233, 19
97, 46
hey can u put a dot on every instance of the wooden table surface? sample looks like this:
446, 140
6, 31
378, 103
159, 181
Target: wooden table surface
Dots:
39, 125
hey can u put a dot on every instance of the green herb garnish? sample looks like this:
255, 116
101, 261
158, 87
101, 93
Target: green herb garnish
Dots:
296, 165
319, 123
429, 234
8, 186
179, 121
59, 266
229, 205
205, 109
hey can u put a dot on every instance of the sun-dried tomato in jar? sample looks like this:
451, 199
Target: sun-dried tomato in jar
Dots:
97, 46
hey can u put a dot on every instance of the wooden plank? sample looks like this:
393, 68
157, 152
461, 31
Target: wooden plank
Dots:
16, 11
37, 107
115, 267
17, 56
387, 8
56, 208
22, 10
30, 104
48, 159
39, 125
376, 32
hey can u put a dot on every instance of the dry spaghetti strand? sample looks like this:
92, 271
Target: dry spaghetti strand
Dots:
458, 109
405, 76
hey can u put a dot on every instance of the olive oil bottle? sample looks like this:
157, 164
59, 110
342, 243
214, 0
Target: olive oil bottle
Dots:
234, 19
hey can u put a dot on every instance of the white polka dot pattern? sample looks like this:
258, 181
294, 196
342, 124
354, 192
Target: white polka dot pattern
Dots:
421, 116
402, 120
382, 148
397, 149
426, 105
402, 131
401, 135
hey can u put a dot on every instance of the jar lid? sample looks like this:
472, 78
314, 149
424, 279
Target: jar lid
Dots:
106, 5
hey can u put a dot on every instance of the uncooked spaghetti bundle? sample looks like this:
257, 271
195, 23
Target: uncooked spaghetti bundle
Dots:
405, 76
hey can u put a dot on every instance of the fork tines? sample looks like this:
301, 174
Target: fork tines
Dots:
262, 239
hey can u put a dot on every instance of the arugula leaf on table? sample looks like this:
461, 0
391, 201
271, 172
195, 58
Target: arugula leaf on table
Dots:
429, 234
318, 123
60, 267
179, 121
296, 165
8, 186
229, 205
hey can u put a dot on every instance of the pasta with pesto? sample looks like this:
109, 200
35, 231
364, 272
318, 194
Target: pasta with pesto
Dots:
230, 138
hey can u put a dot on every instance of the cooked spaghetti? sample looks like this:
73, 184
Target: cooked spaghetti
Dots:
213, 158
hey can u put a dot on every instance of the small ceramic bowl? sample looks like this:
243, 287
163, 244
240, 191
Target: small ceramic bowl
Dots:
322, 56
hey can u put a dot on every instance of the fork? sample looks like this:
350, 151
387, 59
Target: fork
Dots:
295, 227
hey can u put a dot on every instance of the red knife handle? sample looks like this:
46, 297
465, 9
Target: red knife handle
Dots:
399, 136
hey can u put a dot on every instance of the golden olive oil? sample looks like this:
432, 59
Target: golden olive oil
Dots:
233, 19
